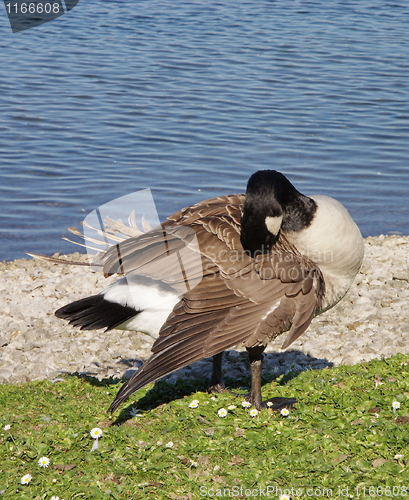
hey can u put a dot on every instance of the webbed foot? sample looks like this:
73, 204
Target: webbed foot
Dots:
276, 404
217, 388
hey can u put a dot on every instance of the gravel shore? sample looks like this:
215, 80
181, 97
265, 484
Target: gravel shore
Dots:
372, 321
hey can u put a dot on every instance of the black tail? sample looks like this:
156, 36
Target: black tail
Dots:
95, 312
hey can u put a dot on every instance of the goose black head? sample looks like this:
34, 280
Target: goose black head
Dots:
272, 204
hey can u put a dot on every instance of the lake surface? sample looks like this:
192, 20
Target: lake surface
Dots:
190, 98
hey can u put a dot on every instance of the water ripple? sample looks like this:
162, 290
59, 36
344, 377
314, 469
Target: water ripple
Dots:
190, 100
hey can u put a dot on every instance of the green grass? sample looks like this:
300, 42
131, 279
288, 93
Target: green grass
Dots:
342, 435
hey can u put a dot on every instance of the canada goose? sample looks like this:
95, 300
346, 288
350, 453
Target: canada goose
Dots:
271, 260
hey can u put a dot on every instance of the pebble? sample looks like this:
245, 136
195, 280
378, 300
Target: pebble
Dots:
372, 321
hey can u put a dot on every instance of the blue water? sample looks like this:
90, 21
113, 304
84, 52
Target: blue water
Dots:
190, 98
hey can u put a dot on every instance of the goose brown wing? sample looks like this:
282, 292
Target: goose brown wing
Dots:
241, 300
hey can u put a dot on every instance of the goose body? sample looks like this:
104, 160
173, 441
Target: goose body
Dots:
270, 260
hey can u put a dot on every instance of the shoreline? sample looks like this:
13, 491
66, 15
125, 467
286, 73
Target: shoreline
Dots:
371, 321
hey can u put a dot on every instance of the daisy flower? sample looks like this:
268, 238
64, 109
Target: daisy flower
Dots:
398, 457
253, 412
395, 406
169, 444
245, 404
285, 412
222, 412
194, 404
269, 404
26, 479
44, 462
193, 463
7, 427
96, 433
231, 407
284, 496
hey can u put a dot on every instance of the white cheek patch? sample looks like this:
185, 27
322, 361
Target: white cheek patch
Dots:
273, 224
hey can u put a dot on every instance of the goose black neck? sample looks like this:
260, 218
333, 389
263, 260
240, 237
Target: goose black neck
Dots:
270, 194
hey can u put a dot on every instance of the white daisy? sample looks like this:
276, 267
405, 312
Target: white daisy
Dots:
194, 404
253, 412
231, 407
169, 444
26, 479
96, 433
222, 412
44, 462
285, 412
395, 406
7, 427
245, 404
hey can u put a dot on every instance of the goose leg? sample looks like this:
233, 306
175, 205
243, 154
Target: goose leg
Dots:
216, 382
256, 361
